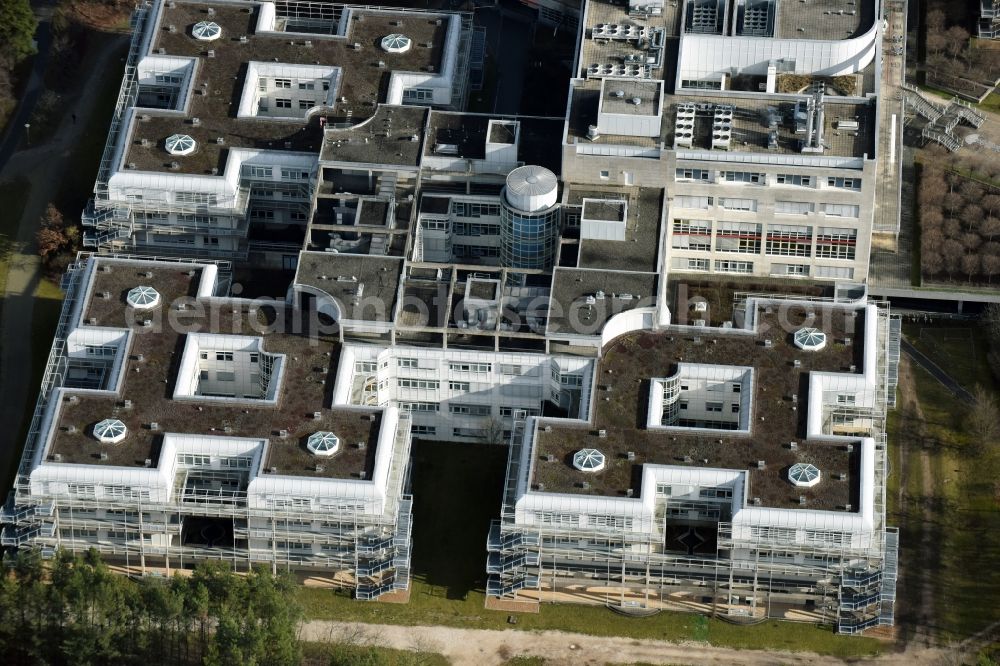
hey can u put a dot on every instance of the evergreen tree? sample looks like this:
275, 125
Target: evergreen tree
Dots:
17, 30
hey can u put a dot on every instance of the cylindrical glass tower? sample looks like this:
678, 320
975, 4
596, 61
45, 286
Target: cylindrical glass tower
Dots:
529, 218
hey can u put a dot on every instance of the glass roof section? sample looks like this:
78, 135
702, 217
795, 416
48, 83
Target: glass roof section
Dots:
142, 297
110, 431
180, 144
396, 43
810, 339
206, 31
804, 475
588, 460
323, 443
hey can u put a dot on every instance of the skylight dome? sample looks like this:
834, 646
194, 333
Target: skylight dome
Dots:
588, 460
110, 431
143, 298
323, 443
810, 339
396, 43
206, 31
180, 144
804, 475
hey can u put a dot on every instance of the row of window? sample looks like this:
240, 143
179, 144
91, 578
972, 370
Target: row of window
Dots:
287, 84
286, 103
474, 229
573, 520
474, 209
794, 270
780, 207
759, 178
408, 362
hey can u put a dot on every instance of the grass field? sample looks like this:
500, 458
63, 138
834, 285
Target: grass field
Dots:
964, 490
13, 198
959, 347
457, 490
347, 654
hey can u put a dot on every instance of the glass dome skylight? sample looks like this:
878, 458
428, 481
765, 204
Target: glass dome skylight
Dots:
804, 475
206, 31
110, 431
180, 144
396, 43
810, 339
142, 297
588, 460
323, 443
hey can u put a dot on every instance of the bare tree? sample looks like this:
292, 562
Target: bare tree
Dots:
989, 227
991, 266
494, 431
957, 40
984, 421
952, 252
991, 320
935, 20
970, 265
931, 260
991, 202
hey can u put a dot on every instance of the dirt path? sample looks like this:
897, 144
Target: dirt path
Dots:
924, 610
44, 167
488, 647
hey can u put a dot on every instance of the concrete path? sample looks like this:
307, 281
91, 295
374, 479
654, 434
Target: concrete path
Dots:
44, 167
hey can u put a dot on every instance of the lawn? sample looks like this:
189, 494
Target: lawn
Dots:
13, 198
963, 505
991, 103
958, 347
348, 654
456, 489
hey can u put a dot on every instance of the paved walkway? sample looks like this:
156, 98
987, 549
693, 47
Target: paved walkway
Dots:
44, 167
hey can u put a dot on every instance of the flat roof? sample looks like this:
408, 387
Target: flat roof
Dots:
620, 95
362, 83
630, 361
309, 368
608, 210
393, 136
466, 131
640, 249
568, 309
750, 125
340, 275
823, 19
603, 50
